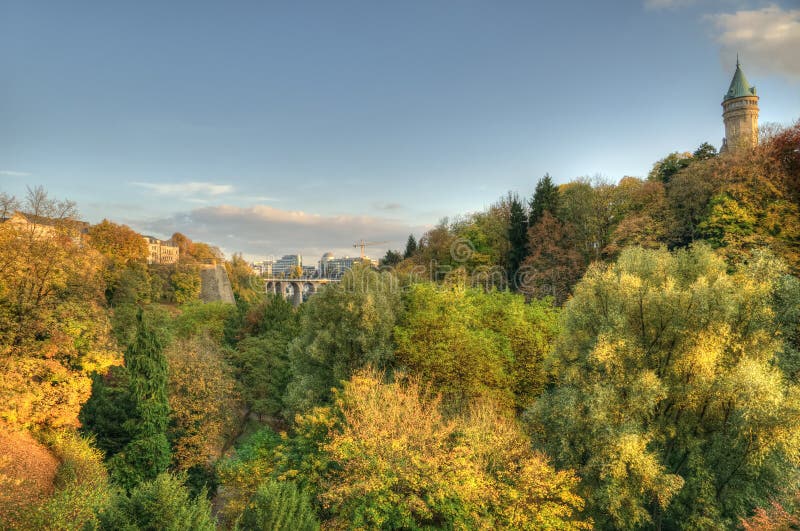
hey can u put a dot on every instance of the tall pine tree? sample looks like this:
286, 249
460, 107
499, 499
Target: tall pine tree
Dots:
517, 237
411, 246
148, 452
545, 199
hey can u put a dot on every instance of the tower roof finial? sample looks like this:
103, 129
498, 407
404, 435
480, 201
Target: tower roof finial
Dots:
737, 59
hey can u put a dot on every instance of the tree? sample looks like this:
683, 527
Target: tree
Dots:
186, 284
472, 472
261, 357
471, 344
278, 506
545, 199
642, 214
773, 518
688, 195
118, 243
554, 264
392, 258
517, 237
81, 486
704, 151
411, 247
248, 288
161, 503
54, 331
343, 328
202, 400
666, 168
148, 453
668, 397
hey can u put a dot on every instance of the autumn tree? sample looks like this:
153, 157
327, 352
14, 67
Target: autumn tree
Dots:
668, 397
641, 212
555, 264
202, 400
54, 331
476, 471
80, 486
185, 283
247, 287
118, 242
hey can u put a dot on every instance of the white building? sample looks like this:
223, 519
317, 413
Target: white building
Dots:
284, 266
332, 267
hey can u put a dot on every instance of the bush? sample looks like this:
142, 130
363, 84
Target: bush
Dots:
163, 503
279, 505
81, 485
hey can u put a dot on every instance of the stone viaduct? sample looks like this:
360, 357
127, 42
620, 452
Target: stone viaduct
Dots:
296, 289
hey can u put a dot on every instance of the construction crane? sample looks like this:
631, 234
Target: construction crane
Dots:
362, 244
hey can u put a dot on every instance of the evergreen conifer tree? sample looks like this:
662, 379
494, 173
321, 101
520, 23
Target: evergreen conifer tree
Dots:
411, 246
517, 237
545, 199
148, 452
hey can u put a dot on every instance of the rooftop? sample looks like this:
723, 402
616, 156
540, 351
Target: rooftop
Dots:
739, 86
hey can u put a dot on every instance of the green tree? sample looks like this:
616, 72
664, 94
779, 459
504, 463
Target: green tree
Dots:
469, 344
161, 503
185, 282
411, 247
517, 237
704, 151
148, 453
261, 358
666, 168
80, 487
344, 327
667, 395
279, 506
545, 199
392, 258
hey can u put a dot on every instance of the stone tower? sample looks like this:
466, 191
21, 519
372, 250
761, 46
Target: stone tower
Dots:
740, 113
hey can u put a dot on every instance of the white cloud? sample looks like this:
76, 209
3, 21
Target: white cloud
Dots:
10, 173
183, 189
767, 40
262, 230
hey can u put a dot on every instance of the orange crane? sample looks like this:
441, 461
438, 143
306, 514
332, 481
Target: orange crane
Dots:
362, 244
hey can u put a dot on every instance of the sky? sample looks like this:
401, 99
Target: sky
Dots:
273, 128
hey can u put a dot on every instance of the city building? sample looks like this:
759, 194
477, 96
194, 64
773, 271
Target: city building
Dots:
332, 267
286, 265
160, 251
740, 113
263, 267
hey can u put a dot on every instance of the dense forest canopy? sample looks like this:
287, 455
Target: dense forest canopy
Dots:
597, 355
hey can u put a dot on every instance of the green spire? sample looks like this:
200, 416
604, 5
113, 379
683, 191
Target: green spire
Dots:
739, 86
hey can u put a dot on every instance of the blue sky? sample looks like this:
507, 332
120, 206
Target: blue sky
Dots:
282, 127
